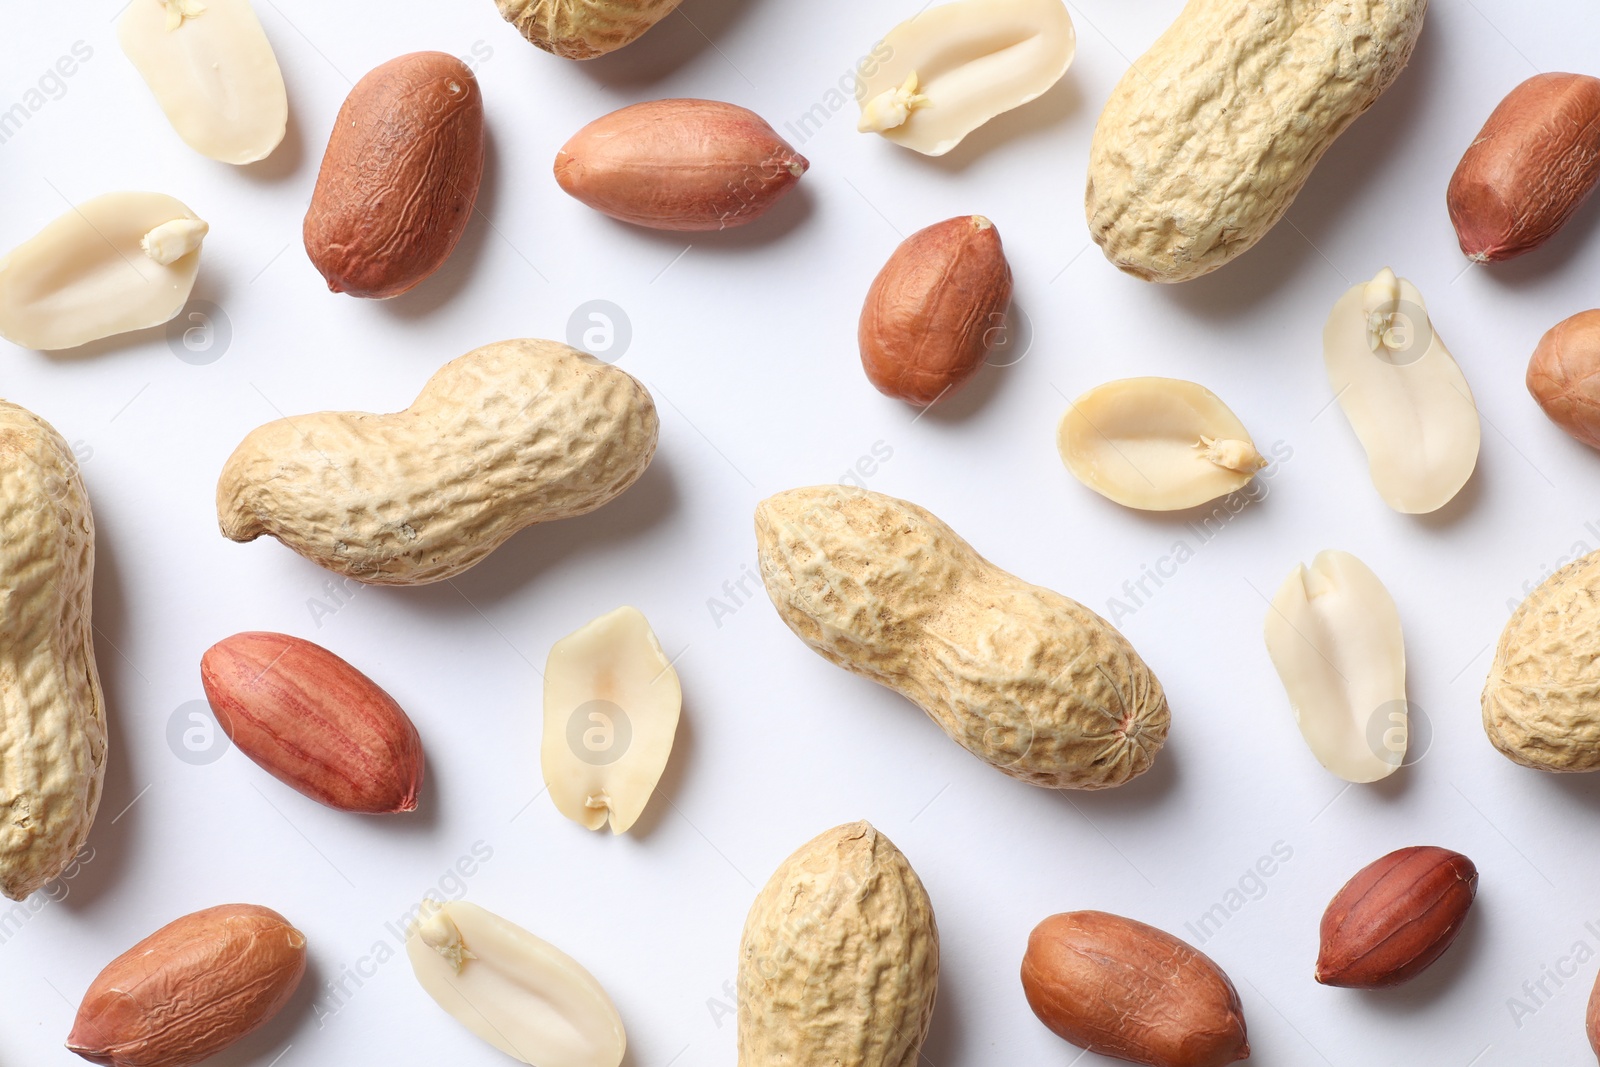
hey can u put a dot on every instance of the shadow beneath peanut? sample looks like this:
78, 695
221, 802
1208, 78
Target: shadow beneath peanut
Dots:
790, 213
295, 1022
962, 403
1359, 159
520, 561
1581, 788
285, 160
208, 288
1393, 788
466, 259
109, 848
1196, 526
1146, 794
946, 1041
1434, 984
1034, 121
671, 44
664, 802
1554, 257
1465, 501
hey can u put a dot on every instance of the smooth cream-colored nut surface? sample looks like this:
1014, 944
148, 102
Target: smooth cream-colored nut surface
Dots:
1334, 635
611, 706
952, 68
839, 961
212, 70
1033, 683
1539, 703
1212, 133
1403, 393
1158, 444
584, 29
519, 993
87, 274
509, 435
52, 714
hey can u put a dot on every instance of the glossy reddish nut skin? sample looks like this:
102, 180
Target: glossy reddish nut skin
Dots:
1123, 989
1395, 918
681, 165
1564, 376
1530, 168
190, 989
399, 178
934, 310
314, 722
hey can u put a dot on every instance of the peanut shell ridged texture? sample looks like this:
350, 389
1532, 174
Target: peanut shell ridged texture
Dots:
1529, 169
509, 435
314, 722
584, 29
931, 311
1210, 136
399, 178
1395, 918
52, 713
1564, 376
839, 962
679, 165
190, 989
1024, 678
1123, 989
1541, 704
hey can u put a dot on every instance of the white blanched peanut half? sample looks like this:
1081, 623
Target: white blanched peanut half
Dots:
1334, 635
212, 70
1212, 133
1403, 393
952, 68
519, 993
1157, 444
114, 264
52, 711
611, 705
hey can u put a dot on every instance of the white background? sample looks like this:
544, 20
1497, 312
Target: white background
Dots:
747, 340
